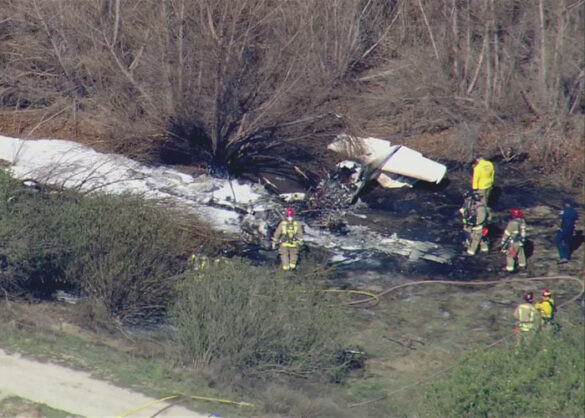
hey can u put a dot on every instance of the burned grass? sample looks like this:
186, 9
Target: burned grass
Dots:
416, 332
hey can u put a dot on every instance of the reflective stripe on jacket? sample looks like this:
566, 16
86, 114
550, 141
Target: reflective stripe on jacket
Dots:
515, 230
289, 234
525, 314
480, 215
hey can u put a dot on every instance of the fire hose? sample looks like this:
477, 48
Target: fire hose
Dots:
390, 289
375, 299
178, 397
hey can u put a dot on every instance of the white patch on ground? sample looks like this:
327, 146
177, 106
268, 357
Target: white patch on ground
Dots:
360, 238
218, 202
74, 166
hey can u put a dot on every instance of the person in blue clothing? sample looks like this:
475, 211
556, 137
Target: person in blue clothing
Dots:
568, 218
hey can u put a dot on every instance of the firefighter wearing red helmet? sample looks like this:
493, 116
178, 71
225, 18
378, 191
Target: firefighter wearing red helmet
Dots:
513, 241
289, 239
526, 316
546, 307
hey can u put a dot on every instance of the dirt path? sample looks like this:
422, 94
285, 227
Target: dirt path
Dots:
74, 391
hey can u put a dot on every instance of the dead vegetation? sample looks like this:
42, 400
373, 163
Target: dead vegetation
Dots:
237, 85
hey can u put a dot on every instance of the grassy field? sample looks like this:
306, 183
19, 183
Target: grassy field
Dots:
46, 332
413, 340
13, 406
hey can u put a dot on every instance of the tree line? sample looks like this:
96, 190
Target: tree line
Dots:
238, 84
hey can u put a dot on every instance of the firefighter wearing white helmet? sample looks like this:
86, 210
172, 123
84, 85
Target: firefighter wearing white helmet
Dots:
289, 239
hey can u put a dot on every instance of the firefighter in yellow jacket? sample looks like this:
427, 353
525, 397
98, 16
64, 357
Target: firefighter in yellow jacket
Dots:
527, 318
546, 307
289, 239
483, 178
513, 241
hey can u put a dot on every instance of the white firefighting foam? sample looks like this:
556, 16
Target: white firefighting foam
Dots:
221, 203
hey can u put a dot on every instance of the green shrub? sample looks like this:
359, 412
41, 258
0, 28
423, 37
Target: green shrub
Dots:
540, 378
116, 250
257, 320
125, 256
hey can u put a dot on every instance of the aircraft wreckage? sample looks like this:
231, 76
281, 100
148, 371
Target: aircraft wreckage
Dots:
244, 208
393, 166
365, 160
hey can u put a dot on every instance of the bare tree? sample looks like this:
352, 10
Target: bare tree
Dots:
224, 80
240, 83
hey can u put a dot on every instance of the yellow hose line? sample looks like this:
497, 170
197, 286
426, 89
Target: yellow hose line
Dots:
180, 395
371, 296
146, 405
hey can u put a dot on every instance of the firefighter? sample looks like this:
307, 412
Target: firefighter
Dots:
526, 318
512, 242
200, 264
483, 178
466, 212
568, 218
476, 226
289, 239
546, 307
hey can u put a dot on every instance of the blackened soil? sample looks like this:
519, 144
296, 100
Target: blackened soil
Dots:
429, 212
